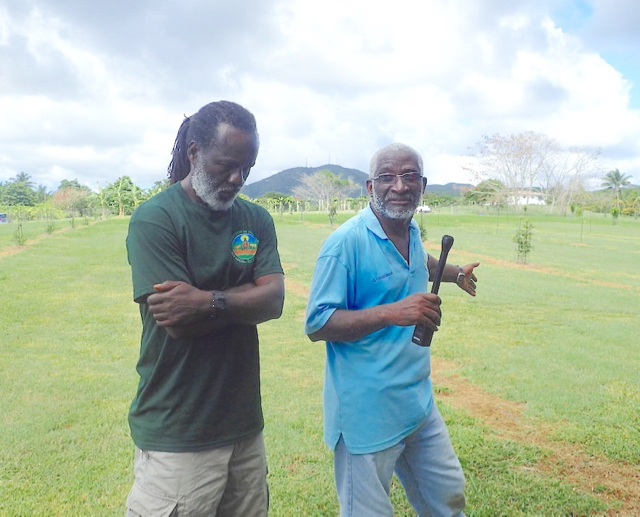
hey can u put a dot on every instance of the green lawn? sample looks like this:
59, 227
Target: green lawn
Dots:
559, 336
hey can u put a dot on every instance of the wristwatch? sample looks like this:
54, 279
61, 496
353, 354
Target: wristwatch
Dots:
460, 277
218, 304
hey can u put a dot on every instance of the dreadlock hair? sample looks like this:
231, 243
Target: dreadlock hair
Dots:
202, 128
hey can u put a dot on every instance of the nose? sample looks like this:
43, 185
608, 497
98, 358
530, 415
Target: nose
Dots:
403, 183
236, 177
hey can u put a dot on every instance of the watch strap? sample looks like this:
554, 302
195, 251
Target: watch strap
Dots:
218, 303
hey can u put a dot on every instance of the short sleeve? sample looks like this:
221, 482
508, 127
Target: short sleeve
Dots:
329, 290
153, 251
267, 257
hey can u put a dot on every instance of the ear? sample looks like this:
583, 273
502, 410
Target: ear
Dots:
369, 185
192, 151
424, 184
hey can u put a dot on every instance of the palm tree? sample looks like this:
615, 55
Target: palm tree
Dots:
23, 177
616, 180
42, 193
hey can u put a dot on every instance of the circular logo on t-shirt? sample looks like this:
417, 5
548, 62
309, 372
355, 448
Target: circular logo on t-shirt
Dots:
244, 247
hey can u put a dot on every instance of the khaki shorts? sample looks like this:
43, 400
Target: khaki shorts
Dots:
227, 481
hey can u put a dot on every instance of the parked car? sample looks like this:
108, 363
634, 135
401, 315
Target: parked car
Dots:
425, 209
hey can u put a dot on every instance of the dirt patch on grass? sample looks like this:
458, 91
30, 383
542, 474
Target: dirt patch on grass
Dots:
296, 287
608, 481
17, 249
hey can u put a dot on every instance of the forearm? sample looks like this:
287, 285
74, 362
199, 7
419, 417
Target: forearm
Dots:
261, 302
450, 273
202, 321
348, 326
462, 276
248, 304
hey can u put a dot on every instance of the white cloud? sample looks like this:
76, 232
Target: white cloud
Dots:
106, 85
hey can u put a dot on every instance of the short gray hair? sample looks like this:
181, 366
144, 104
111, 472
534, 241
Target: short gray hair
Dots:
373, 164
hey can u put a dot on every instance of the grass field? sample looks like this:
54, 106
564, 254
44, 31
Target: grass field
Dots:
537, 377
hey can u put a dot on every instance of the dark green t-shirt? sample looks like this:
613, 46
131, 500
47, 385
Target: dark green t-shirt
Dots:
204, 392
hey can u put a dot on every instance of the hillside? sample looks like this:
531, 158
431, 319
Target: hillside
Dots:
450, 189
284, 182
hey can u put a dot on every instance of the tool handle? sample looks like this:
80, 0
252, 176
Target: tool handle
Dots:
422, 335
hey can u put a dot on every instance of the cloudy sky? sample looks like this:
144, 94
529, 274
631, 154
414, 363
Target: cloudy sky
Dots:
96, 90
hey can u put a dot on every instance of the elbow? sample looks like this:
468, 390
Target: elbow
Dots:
273, 311
278, 307
316, 336
274, 314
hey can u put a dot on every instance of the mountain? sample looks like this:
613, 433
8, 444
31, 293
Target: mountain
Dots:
450, 189
284, 181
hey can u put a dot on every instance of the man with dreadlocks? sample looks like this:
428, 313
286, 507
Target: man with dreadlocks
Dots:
205, 271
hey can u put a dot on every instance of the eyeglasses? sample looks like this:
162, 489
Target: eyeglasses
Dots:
407, 178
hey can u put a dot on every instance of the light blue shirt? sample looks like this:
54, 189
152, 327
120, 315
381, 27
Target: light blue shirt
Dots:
377, 389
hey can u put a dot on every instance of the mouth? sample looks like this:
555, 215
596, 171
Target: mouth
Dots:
400, 201
228, 194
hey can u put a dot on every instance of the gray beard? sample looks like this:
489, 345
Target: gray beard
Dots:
391, 214
206, 190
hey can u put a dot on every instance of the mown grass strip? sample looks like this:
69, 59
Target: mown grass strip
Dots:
69, 342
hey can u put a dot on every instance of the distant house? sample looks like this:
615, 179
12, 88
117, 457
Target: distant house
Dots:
528, 197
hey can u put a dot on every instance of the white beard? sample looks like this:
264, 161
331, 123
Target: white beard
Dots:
206, 190
382, 209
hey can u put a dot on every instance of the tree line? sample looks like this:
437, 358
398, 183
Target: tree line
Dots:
71, 199
511, 170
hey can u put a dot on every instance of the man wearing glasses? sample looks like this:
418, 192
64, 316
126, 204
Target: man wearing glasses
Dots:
367, 295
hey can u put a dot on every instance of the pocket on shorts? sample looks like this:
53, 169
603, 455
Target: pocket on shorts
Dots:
146, 504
